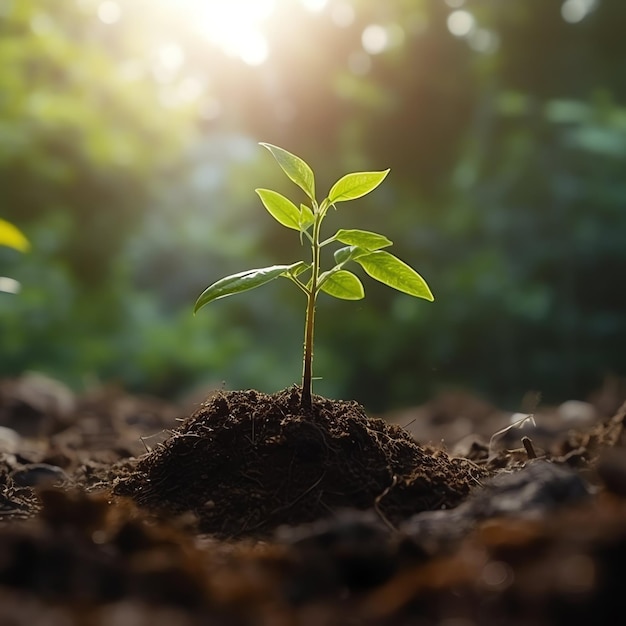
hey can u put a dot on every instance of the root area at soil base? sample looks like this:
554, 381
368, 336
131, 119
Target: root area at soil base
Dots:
247, 462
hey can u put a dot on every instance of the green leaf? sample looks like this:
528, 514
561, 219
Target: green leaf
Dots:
295, 168
12, 237
280, 208
298, 268
306, 217
343, 284
343, 255
393, 272
243, 281
355, 185
362, 238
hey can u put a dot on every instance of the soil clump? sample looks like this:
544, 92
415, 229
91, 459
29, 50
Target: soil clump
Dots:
247, 462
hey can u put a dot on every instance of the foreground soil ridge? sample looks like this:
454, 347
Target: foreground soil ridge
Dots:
250, 513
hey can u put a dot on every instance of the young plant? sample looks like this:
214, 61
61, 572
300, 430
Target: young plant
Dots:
360, 246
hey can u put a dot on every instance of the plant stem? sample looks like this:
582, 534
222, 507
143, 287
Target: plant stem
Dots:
307, 365
309, 324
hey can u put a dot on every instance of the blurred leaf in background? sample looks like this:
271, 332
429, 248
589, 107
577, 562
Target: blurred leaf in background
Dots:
128, 132
11, 237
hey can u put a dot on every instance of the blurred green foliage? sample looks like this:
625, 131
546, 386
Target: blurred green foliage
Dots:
128, 157
11, 237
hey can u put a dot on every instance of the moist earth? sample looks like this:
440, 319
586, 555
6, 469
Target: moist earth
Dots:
118, 509
246, 463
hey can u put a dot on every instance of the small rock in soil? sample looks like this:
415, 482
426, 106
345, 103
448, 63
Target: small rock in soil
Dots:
9, 440
533, 491
36, 405
38, 474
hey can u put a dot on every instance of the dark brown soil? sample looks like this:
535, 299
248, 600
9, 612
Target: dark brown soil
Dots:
251, 513
246, 463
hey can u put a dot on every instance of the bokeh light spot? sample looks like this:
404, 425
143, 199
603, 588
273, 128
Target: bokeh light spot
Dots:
41, 23
359, 63
375, 39
461, 23
109, 12
497, 574
483, 40
256, 50
189, 90
574, 11
342, 14
396, 35
171, 56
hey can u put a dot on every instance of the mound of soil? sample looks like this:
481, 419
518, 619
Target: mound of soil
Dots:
541, 541
247, 462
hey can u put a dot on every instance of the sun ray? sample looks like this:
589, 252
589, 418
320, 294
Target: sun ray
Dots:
235, 26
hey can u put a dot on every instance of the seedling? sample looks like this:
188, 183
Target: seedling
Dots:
360, 246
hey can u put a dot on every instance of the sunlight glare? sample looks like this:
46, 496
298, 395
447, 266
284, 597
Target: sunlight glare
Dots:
235, 26
314, 5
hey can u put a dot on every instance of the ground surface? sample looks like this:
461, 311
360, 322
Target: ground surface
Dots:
125, 510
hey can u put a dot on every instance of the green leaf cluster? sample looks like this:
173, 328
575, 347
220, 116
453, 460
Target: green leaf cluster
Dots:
362, 247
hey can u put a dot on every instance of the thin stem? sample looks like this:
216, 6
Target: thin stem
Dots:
300, 285
307, 366
309, 325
